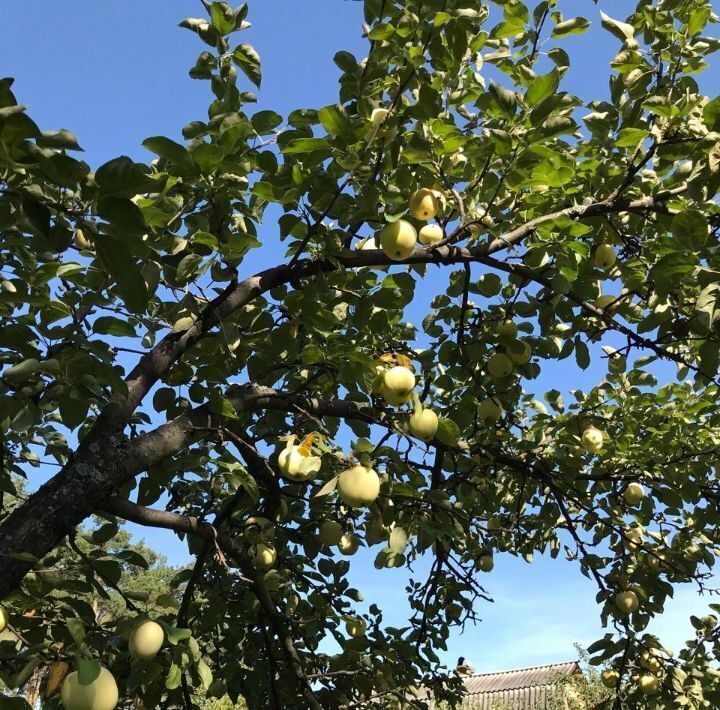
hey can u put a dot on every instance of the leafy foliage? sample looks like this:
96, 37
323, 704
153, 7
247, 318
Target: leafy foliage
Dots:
468, 101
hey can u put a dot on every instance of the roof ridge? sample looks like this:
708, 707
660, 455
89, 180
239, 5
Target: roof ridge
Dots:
520, 670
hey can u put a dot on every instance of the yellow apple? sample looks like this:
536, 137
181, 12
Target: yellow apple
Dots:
387, 130
709, 621
633, 538
610, 678
398, 239
101, 694
500, 366
430, 234
265, 556
291, 604
358, 486
80, 240
519, 351
627, 602
424, 204
356, 627
397, 385
3, 618
592, 439
605, 256
650, 660
486, 563
494, 524
649, 684
379, 115
367, 244
454, 612
423, 424
297, 464
489, 411
8, 286
633, 494
146, 640
605, 303
330, 533
506, 328
349, 544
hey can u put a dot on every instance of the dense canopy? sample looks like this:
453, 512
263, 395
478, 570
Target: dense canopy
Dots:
279, 419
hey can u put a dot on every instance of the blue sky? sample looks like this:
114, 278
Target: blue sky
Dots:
115, 72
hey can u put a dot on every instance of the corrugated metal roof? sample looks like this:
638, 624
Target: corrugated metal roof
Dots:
518, 679
522, 689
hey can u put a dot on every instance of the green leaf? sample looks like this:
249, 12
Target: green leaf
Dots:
166, 148
542, 86
207, 156
574, 26
109, 325
381, 32
265, 122
582, 354
630, 137
222, 18
622, 30
108, 569
62, 139
174, 677
706, 305
124, 178
104, 533
671, 269
328, 488
73, 412
306, 145
76, 629
505, 99
346, 62
122, 213
711, 114
120, 264
173, 634
690, 230
205, 673
248, 60
448, 432
88, 670
334, 120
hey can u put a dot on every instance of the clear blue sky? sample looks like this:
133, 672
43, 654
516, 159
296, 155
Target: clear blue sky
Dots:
115, 72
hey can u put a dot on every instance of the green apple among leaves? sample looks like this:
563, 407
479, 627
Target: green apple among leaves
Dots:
100, 694
358, 486
633, 494
627, 602
146, 640
431, 234
592, 439
398, 239
424, 204
500, 366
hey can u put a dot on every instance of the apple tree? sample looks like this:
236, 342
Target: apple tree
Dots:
455, 241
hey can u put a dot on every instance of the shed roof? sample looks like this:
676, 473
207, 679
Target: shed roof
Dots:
522, 689
519, 678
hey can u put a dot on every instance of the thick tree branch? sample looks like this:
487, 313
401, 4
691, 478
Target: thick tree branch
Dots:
105, 458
